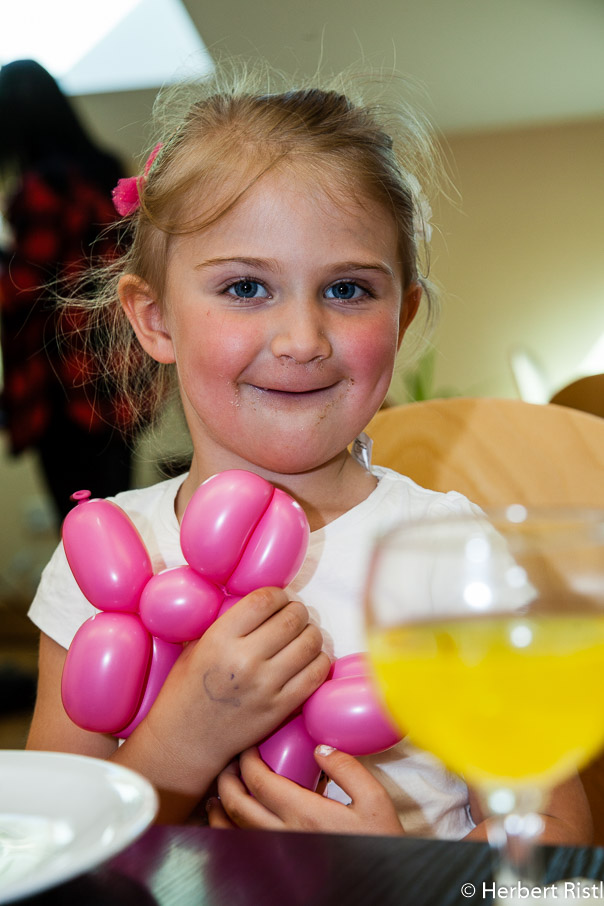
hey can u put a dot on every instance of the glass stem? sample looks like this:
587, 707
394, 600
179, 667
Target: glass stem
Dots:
513, 833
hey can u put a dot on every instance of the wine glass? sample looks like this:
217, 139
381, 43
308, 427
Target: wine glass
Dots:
486, 637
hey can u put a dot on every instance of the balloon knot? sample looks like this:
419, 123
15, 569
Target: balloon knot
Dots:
80, 496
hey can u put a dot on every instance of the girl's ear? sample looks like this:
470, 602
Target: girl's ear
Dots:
144, 313
410, 304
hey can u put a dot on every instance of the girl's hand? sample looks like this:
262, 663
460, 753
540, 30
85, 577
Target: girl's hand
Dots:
248, 672
261, 799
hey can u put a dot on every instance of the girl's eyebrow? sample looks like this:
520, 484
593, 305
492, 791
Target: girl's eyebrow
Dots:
271, 264
248, 262
350, 266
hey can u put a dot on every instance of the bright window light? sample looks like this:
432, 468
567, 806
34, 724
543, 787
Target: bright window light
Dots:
531, 381
593, 363
116, 45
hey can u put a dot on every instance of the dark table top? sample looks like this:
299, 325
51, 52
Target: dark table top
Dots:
174, 866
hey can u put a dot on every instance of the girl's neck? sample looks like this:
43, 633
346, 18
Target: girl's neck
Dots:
324, 493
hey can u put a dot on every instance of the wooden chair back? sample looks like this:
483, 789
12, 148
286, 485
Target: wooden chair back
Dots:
586, 394
498, 451
495, 451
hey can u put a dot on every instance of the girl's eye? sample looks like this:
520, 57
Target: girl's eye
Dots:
247, 289
345, 289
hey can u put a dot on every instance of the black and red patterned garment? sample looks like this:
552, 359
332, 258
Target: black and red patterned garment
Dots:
58, 219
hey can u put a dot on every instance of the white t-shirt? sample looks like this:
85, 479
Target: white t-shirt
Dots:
430, 801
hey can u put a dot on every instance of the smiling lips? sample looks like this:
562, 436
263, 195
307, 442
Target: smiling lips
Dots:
294, 392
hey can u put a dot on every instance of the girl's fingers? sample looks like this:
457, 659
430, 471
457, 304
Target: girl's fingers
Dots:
277, 795
297, 687
268, 618
217, 817
346, 771
293, 657
263, 799
253, 610
295, 807
239, 807
370, 801
281, 628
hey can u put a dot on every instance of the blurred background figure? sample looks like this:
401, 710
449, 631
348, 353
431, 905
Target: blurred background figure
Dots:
56, 198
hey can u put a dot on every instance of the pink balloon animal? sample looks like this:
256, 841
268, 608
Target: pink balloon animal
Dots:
238, 533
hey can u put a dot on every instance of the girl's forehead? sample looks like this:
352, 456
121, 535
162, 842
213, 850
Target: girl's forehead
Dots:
330, 191
292, 220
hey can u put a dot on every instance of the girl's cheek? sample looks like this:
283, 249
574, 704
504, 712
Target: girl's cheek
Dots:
375, 348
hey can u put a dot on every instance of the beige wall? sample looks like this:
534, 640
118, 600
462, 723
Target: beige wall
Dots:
120, 121
522, 259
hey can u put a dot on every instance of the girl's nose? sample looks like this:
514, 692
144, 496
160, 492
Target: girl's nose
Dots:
301, 335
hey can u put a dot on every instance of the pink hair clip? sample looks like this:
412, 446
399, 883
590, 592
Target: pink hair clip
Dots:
126, 195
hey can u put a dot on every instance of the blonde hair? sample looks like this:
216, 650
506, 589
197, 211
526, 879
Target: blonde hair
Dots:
219, 137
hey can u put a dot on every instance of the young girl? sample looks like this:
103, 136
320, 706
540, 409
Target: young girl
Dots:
274, 266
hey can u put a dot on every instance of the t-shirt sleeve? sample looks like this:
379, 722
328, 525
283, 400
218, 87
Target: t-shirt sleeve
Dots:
452, 503
59, 608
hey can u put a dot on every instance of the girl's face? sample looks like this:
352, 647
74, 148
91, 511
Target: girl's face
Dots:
284, 319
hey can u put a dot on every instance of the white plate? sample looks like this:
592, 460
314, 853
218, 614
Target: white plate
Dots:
61, 815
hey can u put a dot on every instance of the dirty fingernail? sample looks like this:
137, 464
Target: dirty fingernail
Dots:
324, 750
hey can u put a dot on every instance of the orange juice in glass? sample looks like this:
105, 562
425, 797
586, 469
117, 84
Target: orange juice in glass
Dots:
486, 637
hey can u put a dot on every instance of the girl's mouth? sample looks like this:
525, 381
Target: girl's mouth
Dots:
295, 394
301, 392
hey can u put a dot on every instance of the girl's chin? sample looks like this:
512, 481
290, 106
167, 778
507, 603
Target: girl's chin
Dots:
291, 461
287, 465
